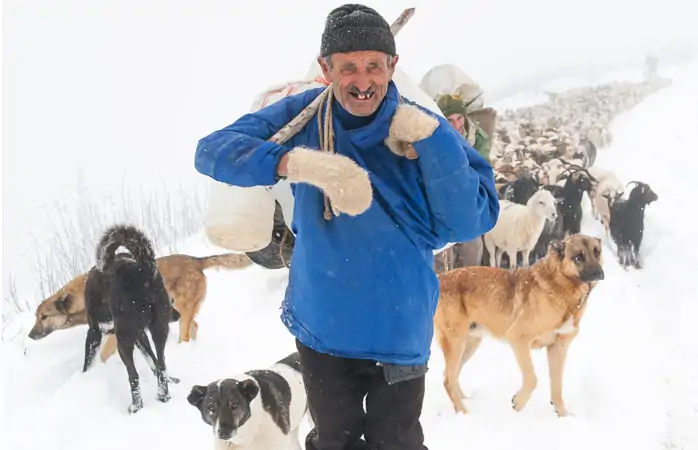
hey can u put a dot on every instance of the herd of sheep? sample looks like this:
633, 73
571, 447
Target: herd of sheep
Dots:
543, 159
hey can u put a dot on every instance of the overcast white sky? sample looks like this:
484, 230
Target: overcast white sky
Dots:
138, 82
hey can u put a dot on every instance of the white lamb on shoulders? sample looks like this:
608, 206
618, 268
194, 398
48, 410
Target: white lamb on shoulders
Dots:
519, 227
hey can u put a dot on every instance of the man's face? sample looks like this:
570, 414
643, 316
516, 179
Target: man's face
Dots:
360, 79
458, 121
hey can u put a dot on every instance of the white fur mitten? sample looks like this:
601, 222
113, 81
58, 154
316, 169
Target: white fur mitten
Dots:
409, 125
346, 183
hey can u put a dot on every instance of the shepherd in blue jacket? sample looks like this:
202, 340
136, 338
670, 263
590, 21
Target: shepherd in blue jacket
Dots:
379, 184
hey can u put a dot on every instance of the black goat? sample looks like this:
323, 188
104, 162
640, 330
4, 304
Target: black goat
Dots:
578, 182
552, 230
628, 223
520, 190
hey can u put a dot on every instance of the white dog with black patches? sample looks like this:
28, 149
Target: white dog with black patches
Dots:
259, 410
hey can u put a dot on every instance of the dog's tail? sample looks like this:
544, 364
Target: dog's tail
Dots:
128, 236
226, 261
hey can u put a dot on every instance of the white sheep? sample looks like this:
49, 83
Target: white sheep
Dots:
519, 227
599, 175
553, 169
610, 188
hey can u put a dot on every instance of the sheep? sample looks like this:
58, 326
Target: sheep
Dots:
607, 192
628, 223
553, 170
600, 175
519, 227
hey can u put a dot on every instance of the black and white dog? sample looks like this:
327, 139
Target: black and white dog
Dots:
125, 295
259, 410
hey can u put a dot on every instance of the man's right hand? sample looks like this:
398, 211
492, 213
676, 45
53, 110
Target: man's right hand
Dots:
346, 183
281, 168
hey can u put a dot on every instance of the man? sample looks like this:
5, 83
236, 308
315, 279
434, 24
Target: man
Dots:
362, 292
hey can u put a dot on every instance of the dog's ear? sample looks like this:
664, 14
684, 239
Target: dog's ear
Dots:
599, 241
196, 395
558, 247
249, 389
63, 304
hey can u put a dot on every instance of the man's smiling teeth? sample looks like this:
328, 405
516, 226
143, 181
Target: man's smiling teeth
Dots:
362, 96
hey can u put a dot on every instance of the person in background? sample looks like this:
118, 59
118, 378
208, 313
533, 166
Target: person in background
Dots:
456, 110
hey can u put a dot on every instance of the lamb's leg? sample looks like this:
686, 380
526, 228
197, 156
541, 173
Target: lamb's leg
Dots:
498, 257
526, 255
491, 250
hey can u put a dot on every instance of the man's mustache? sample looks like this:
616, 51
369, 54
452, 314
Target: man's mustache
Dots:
358, 92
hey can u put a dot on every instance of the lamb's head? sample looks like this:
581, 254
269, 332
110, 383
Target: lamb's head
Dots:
542, 204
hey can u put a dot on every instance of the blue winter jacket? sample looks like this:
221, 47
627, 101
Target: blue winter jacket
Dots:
364, 286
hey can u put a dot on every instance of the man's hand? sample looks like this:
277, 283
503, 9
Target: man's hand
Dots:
409, 125
281, 168
345, 182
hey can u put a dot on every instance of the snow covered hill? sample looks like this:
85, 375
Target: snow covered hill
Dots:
631, 380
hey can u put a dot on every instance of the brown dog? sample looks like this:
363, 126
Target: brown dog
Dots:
185, 281
530, 308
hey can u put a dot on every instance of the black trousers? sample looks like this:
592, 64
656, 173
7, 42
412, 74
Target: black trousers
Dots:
336, 389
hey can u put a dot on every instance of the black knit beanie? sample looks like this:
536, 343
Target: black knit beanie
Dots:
355, 28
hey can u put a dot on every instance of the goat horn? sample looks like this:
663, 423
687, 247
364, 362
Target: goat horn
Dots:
578, 168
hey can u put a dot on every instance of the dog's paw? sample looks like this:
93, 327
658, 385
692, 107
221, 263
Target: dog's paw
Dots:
411, 124
518, 401
164, 398
561, 411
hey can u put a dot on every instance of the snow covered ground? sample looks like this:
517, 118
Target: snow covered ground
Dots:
631, 380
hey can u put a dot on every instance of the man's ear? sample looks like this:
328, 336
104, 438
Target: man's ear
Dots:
326, 69
392, 67
196, 396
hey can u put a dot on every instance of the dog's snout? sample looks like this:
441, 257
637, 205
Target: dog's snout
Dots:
224, 432
594, 274
33, 334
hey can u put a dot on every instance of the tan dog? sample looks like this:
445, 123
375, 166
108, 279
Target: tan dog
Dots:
530, 308
185, 281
